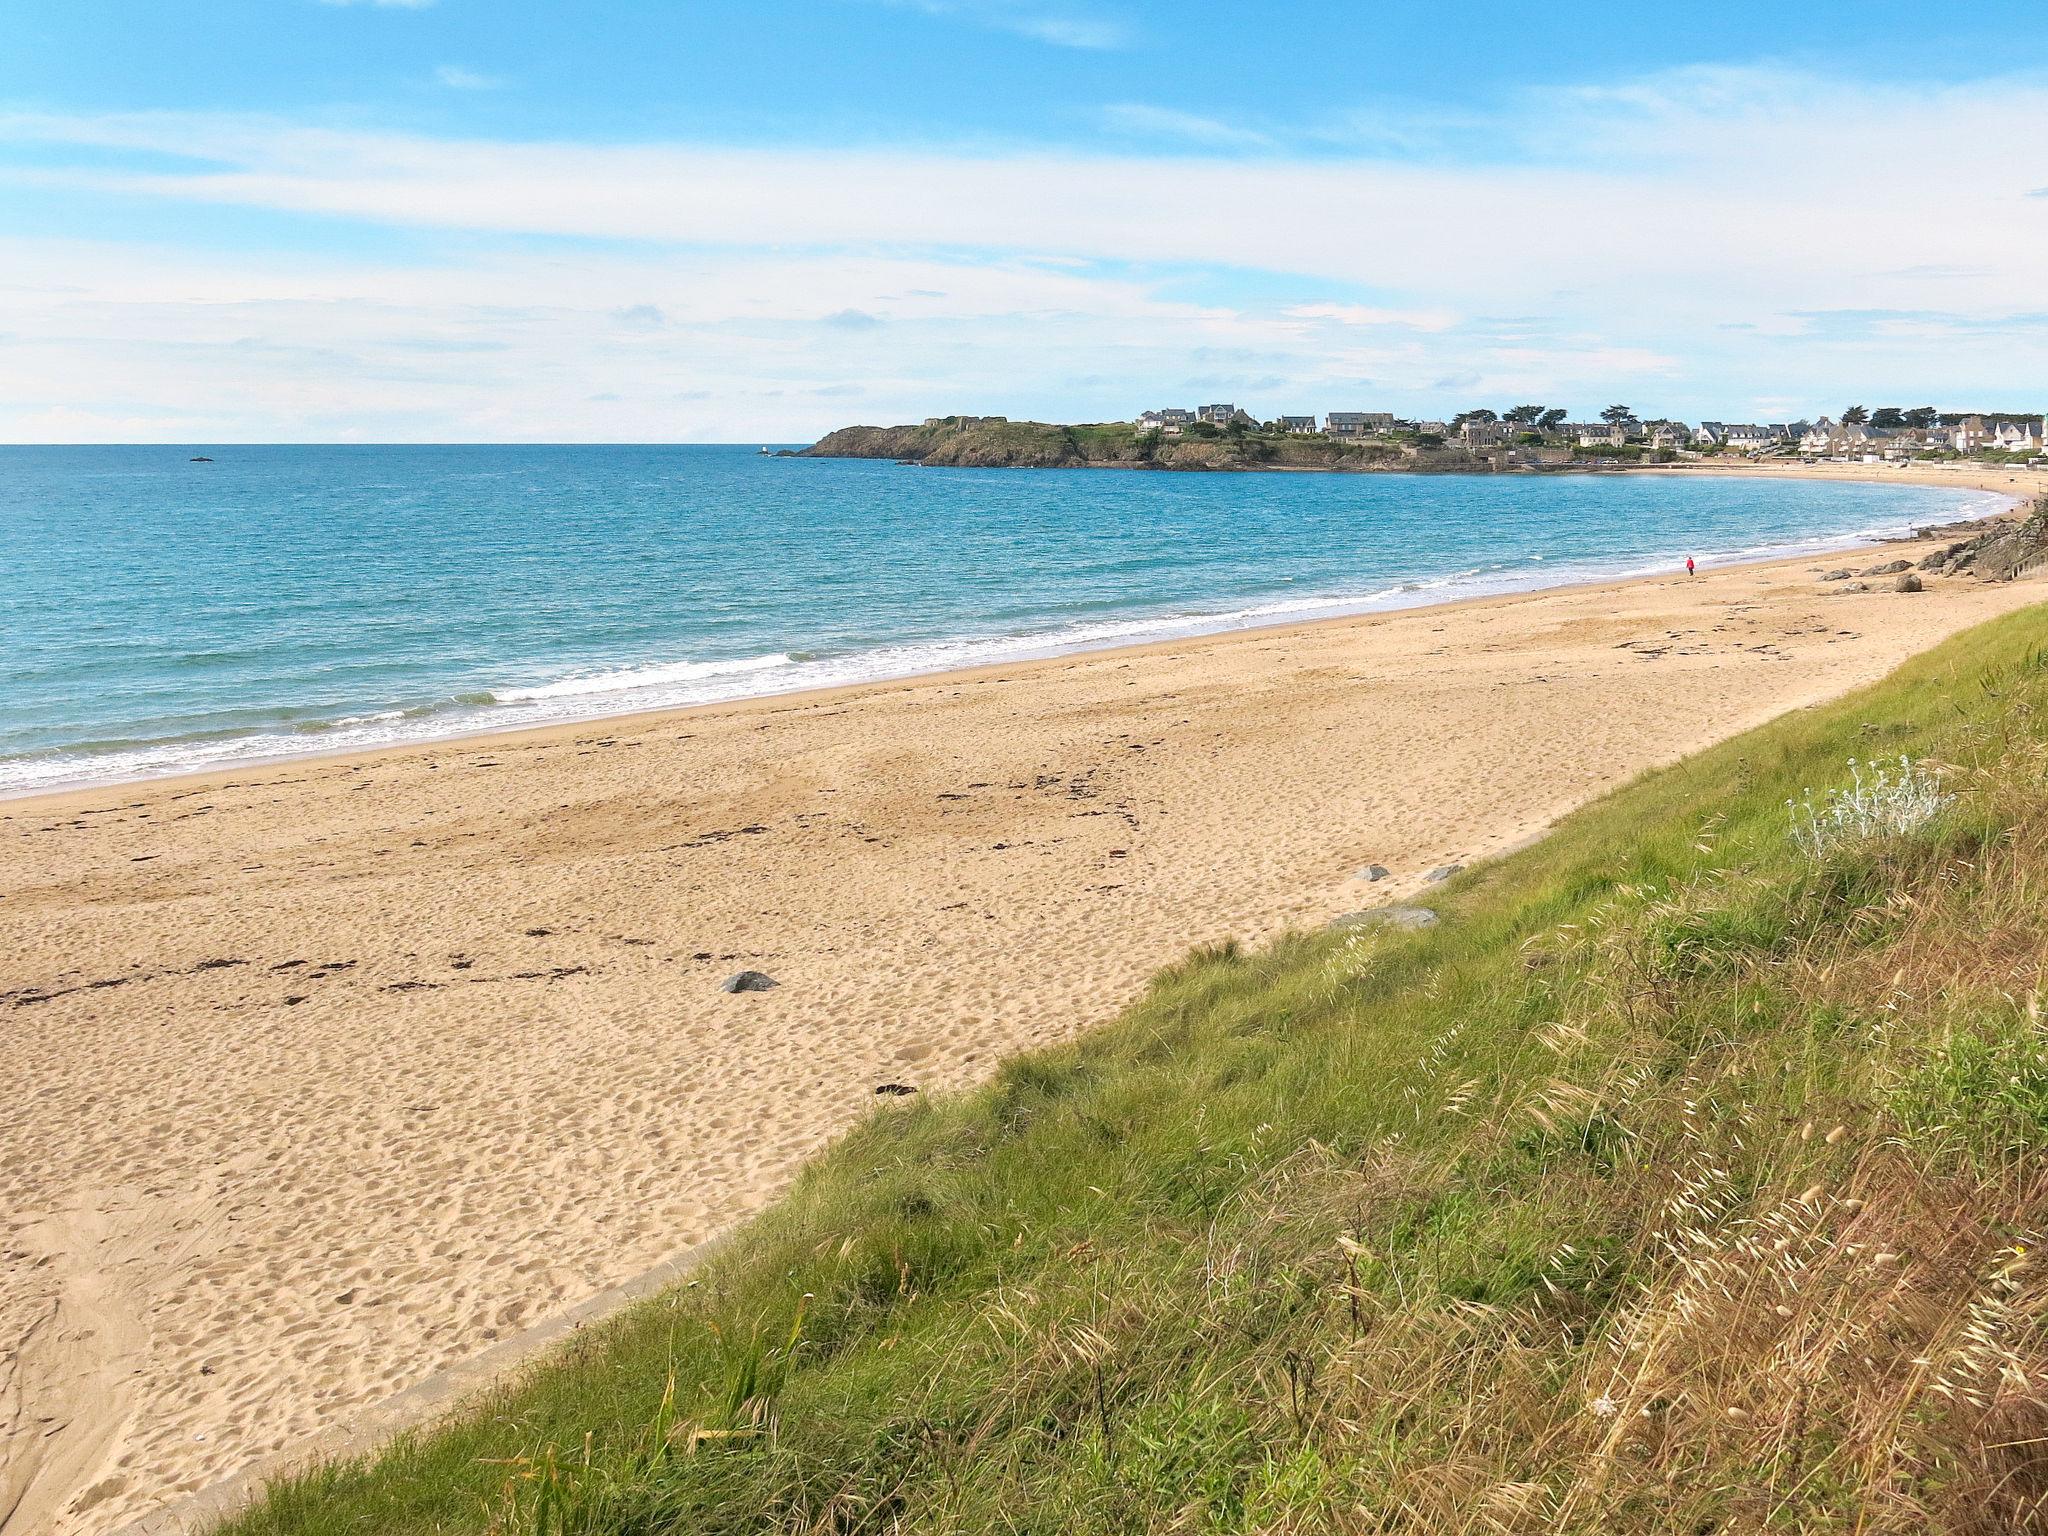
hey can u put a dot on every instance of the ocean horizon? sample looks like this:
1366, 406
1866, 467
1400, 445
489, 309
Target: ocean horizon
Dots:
166, 616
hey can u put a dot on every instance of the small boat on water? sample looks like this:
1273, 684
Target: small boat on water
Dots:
199, 459
767, 451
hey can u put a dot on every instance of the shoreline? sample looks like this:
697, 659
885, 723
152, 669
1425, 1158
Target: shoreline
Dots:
512, 736
1029, 649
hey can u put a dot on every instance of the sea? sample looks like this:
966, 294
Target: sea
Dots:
159, 615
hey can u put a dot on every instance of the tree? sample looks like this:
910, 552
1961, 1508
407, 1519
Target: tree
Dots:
1523, 415
1855, 416
1888, 418
1617, 415
1551, 419
1462, 417
1922, 416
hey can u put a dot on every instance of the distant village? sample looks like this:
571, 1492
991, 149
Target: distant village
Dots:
1546, 436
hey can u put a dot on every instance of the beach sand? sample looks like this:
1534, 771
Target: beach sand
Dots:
325, 1076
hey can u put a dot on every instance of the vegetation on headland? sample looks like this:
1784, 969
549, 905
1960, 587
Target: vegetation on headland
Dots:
1525, 437
1686, 1176
998, 444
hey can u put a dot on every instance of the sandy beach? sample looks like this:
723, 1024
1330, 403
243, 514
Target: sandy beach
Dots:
327, 1076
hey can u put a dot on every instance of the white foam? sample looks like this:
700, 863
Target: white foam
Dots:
683, 682
629, 679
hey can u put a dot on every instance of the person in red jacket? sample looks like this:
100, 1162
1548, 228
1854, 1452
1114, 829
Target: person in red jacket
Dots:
1688, 565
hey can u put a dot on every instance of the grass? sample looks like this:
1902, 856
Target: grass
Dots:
1681, 1180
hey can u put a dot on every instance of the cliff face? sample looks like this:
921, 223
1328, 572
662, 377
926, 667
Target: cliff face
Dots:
1041, 445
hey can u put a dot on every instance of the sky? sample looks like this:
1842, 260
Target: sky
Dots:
688, 220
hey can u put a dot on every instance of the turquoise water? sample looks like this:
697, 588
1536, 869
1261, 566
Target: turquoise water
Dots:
160, 615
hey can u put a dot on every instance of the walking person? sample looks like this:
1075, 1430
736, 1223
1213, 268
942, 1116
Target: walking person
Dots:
1688, 565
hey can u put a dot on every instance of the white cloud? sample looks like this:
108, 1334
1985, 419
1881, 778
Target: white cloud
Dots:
1689, 230
1367, 314
457, 78
1166, 123
1633, 244
1063, 28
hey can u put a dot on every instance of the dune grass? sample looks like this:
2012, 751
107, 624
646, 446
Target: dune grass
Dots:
1684, 1179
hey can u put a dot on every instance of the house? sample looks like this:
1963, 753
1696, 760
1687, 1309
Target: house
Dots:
1432, 429
1596, 434
1219, 415
1172, 421
1970, 434
1670, 435
1300, 426
2017, 437
1357, 423
1710, 434
1748, 437
1818, 438
1484, 434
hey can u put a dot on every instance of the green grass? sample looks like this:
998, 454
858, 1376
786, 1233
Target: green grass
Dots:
1675, 1182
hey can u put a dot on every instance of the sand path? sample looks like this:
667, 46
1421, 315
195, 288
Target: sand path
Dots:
323, 1077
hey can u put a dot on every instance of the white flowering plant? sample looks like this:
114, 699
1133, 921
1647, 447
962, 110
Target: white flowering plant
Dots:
1881, 800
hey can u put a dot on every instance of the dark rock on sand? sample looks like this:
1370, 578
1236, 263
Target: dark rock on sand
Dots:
1372, 872
748, 981
893, 1090
1441, 872
1907, 583
1889, 568
1386, 917
1838, 575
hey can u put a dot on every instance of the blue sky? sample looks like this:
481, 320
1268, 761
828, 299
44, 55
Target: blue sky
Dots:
478, 220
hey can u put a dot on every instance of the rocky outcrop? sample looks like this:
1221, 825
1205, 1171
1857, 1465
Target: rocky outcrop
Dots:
2005, 549
994, 443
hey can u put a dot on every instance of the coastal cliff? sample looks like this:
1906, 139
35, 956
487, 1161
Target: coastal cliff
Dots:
997, 444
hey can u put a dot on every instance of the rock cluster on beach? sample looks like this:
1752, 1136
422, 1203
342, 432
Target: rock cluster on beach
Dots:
2003, 550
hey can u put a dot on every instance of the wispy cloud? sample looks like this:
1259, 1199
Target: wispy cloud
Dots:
1061, 27
640, 317
1146, 121
1366, 314
457, 78
1037, 281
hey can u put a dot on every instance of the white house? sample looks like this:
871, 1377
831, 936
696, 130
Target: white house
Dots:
1219, 415
1301, 426
1818, 438
1597, 434
1710, 433
1970, 434
1748, 437
2017, 437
